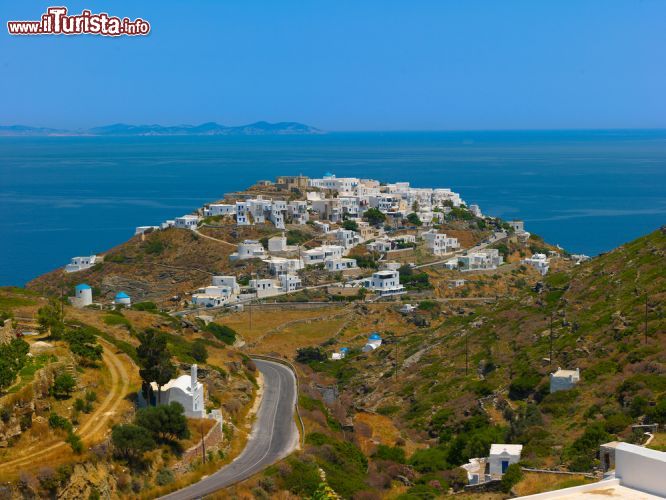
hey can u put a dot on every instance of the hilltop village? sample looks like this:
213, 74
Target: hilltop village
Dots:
437, 350
345, 233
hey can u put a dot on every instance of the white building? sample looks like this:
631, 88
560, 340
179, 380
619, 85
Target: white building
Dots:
374, 341
223, 290
538, 261
257, 210
321, 254
81, 263
475, 210
329, 209
187, 391
333, 265
381, 245
281, 265
439, 243
639, 474
82, 296
278, 244
145, 229
501, 456
488, 258
265, 287
407, 309
341, 354
298, 212
249, 249
187, 221
386, 282
330, 181
456, 283
122, 299
217, 209
346, 238
167, 224
563, 380
290, 282
579, 258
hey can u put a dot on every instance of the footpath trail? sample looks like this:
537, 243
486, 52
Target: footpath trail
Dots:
196, 231
96, 423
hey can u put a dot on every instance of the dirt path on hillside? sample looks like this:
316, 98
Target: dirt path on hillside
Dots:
96, 422
196, 231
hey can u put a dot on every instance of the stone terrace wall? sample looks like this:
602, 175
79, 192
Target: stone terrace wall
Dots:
212, 439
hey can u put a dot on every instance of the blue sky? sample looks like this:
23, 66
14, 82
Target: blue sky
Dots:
346, 65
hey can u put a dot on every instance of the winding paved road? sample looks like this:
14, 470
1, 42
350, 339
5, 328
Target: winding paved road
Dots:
274, 434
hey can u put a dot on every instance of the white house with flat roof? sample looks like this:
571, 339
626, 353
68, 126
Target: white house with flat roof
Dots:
81, 263
488, 258
382, 245
223, 290
278, 244
343, 264
298, 212
386, 282
265, 287
187, 221
321, 254
639, 475
145, 229
345, 238
186, 390
249, 249
281, 265
258, 210
216, 209
290, 282
501, 456
563, 380
439, 243
538, 261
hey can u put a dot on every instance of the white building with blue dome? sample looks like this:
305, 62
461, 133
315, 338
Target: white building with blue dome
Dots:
122, 299
82, 296
374, 341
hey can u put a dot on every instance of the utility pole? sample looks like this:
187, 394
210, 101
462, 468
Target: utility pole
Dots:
203, 442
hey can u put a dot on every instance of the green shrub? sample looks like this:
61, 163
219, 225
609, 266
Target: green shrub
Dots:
145, 306
302, 479
522, 386
63, 386
559, 403
222, 332
164, 477
430, 459
392, 453
75, 442
511, 477
617, 423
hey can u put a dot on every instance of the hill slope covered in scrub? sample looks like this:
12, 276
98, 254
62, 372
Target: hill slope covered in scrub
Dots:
421, 408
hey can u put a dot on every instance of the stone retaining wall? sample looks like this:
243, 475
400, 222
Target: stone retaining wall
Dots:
212, 439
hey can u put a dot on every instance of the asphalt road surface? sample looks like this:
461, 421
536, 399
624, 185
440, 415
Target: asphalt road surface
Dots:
274, 434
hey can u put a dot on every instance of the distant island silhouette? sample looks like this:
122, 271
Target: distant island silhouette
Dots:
210, 128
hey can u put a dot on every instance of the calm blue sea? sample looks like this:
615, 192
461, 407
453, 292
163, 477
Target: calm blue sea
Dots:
61, 197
